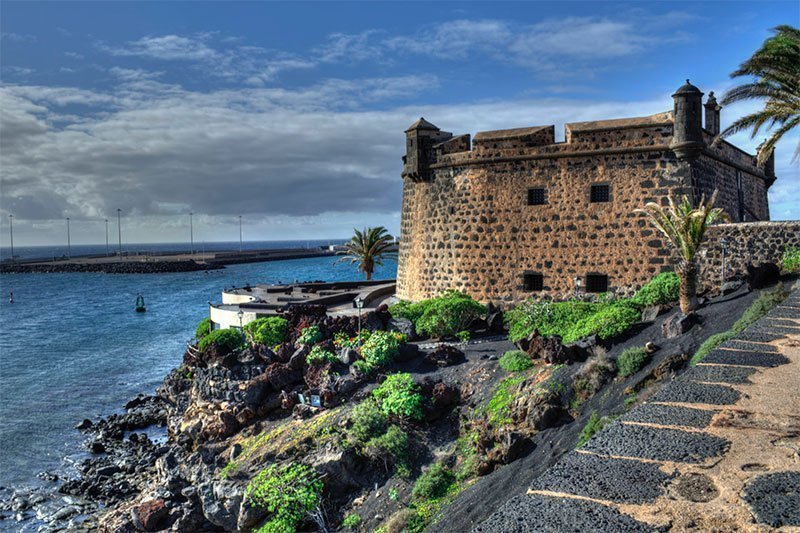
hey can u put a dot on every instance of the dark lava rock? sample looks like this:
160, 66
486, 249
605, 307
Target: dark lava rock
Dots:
775, 498
678, 324
407, 352
730, 286
404, 326
650, 313
445, 355
348, 355
298, 359
762, 275
669, 415
86, 424
547, 514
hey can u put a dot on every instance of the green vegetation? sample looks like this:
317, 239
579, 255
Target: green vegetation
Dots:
515, 361
393, 448
319, 356
763, 304
435, 482
609, 321
368, 248
630, 399
547, 318
352, 521
791, 259
498, 409
446, 315
369, 421
310, 335
594, 424
684, 227
268, 331
662, 289
203, 328
290, 493
380, 349
399, 396
225, 339
631, 360
464, 336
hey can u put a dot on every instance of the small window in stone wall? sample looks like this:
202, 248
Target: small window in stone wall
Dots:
596, 283
532, 282
537, 196
600, 193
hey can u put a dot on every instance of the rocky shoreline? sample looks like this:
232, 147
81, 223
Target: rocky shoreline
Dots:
122, 267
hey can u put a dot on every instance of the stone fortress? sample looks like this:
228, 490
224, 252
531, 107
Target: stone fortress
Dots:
511, 214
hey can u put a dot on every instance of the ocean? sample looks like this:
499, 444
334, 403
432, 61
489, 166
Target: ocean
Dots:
72, 347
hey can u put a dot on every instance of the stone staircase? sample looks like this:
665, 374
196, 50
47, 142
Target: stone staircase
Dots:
716, 449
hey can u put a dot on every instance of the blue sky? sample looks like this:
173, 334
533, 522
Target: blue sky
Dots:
291, 114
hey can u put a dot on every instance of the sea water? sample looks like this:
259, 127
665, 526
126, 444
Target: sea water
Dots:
72, 347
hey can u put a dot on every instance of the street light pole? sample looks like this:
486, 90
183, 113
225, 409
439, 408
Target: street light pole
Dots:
11, 230
240, 233
191, 233
69, 246
119, 230
106, 237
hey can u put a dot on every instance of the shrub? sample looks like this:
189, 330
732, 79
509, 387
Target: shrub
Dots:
498, 408
710, 344
631, 360
408, 310
662, 289
399, 396
515, 361
310, 335
791, 259
363, 367
290, 493
381, 348
464, 336
276, 525
352, 521
268, 331
369, 421
434, 483
448, 314
590, 378
203, 328
546, 318
226, 339
393, 448
611, 320
319, 355
593, 425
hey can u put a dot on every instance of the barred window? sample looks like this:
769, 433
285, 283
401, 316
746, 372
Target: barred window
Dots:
596, 283
533, 282
537, 196
600, 193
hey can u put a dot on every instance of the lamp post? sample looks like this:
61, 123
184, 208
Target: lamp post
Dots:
723, 242
191, 234
11, 231
359, 302
240, 233
240, 314
578, 282
119, 230
69, 244
107, 254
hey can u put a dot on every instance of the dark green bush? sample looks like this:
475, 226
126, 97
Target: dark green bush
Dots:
611, 320
515, 361
662, 289
631, 360
369, 421
226, 339
392, 448
547, 318
310, 335
352, 521
290, 492
203, 328
448, 314
434, 483
593, 425
409, 310
319, 356
399, 396
381, 348
268, 331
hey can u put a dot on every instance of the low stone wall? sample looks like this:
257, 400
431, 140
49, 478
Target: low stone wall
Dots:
750, 243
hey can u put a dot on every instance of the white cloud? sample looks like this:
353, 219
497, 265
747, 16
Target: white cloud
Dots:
20, 38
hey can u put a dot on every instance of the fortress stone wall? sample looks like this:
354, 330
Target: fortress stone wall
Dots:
512, 214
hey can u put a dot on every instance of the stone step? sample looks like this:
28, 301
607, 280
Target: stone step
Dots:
721, 374
684, 390
736, 357
669, 415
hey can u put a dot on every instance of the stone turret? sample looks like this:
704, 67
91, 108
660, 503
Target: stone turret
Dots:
421, 136
712, 114
687, 137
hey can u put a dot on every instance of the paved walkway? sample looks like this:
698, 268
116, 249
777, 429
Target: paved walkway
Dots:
717, 449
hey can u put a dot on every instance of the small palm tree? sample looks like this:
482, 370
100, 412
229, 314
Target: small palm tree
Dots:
684, 226
776, 67
368, 248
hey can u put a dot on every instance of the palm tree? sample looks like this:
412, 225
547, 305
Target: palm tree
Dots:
776, 67
684, 226
369, 248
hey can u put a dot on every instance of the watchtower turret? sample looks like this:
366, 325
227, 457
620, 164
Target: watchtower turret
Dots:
712, 114
687, 136
421, 136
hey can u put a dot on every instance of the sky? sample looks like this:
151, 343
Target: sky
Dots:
292, 114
